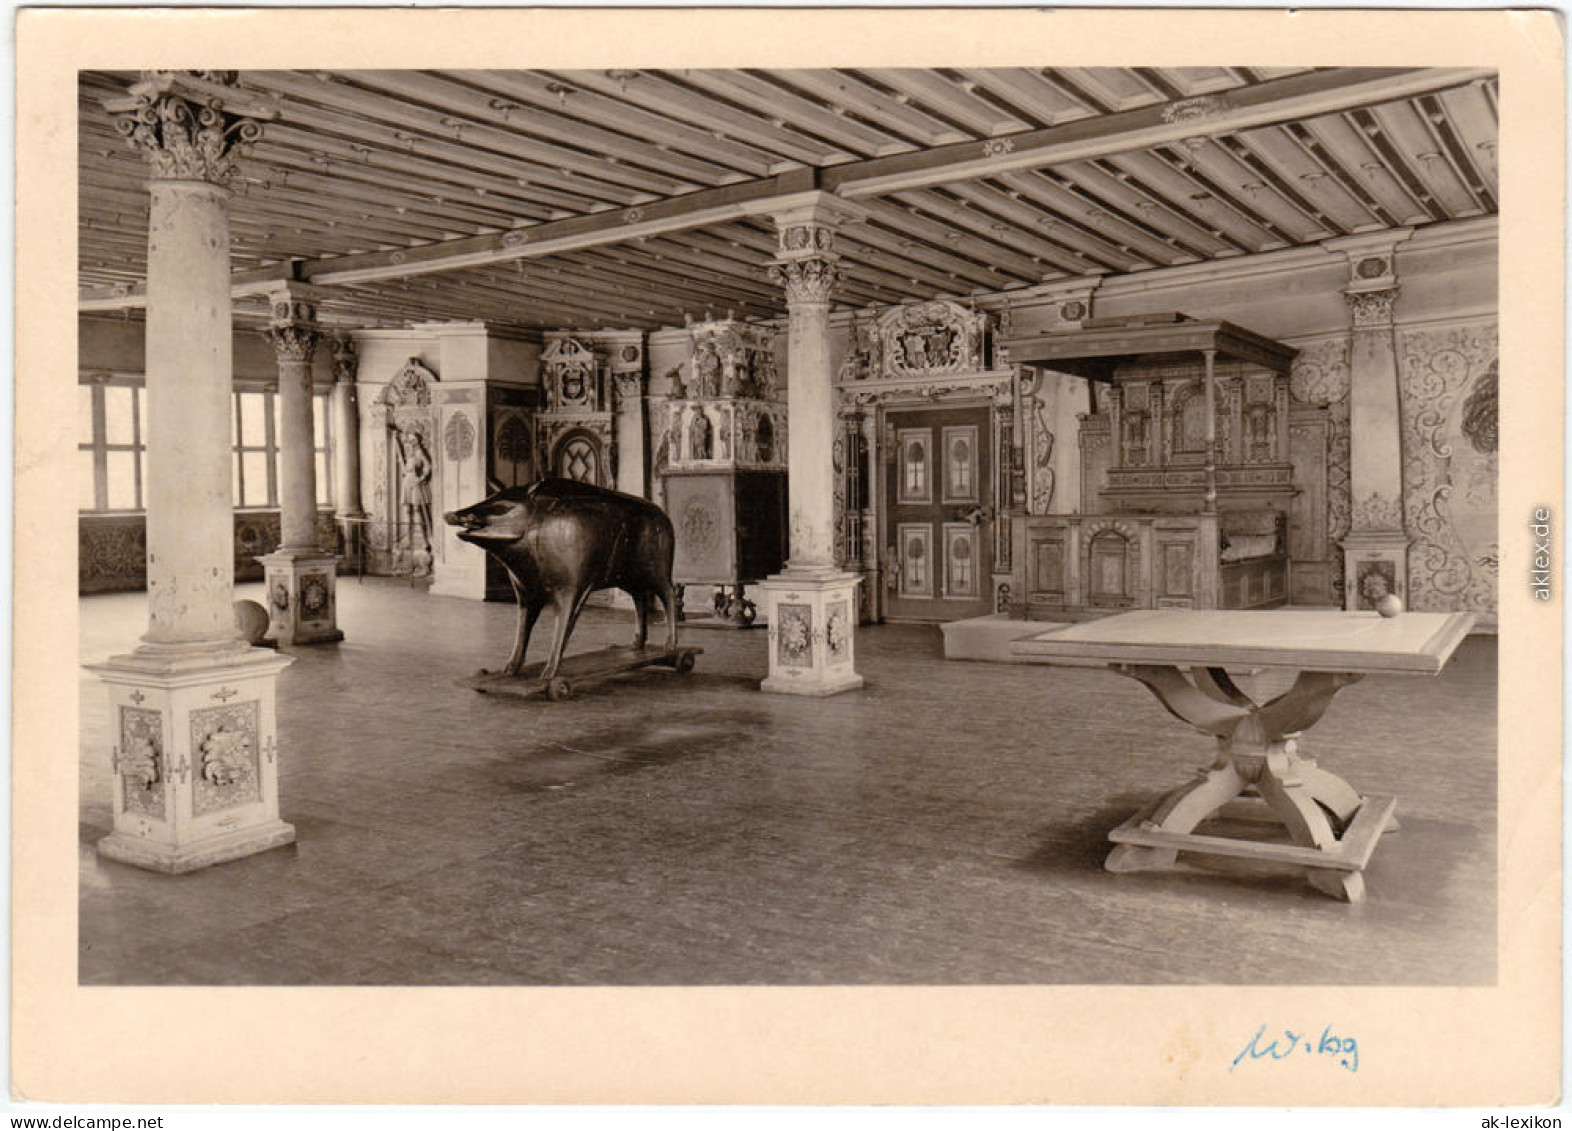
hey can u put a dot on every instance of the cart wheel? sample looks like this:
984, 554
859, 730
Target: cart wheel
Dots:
685, 663
559, 689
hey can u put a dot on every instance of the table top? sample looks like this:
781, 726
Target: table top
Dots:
1327, 640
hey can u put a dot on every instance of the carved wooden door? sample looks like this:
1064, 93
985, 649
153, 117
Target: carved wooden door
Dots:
938, 514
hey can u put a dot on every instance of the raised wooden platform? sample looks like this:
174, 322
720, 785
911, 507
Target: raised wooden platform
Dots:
990, 638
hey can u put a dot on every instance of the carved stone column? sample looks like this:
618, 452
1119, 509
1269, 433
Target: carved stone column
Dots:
193, 729
300, 575
1375, 550
348, 513
346, 429
812, 604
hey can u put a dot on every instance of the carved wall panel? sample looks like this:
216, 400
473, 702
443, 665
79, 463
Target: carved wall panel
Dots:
1449, 384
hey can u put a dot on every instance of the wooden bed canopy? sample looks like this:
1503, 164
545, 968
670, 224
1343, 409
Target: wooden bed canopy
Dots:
1187, 478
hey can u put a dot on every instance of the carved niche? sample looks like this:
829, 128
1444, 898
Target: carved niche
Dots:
402, 455
575, 429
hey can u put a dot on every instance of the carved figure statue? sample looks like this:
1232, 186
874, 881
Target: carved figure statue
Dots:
560, 540
415, 484
707, 367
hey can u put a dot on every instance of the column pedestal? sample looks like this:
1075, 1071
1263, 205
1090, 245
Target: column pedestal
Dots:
812, 632
1375, 563
302, 596
195, 756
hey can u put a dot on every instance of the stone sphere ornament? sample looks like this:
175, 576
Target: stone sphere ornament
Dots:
1390, 605
251, 621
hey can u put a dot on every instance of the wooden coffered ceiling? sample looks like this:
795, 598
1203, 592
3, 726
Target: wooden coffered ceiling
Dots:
627, 198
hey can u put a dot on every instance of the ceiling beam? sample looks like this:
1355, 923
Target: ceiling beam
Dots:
675, 214
1300, 96
1315, 93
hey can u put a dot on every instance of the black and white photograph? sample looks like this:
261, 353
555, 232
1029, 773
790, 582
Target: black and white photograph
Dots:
772, 556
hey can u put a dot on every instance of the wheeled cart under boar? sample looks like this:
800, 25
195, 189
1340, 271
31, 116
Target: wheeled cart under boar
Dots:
584, 668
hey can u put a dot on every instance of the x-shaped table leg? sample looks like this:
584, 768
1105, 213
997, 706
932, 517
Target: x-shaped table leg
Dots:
1333, 828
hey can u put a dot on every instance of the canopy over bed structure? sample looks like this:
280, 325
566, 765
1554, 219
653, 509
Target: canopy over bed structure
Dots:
1187, 477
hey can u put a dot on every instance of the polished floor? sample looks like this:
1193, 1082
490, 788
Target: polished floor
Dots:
946, 825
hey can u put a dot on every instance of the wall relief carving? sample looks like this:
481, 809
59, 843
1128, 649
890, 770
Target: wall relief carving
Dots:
921, 340
458, 438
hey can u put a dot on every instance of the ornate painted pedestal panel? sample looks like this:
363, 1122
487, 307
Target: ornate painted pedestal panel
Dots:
811, 638
301, 596
195, 757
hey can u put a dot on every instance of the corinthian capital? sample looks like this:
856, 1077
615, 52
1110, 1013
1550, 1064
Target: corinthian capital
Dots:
806, 264
1371, 309
292, 327
183, 129
806, 280
346, 360
293, 341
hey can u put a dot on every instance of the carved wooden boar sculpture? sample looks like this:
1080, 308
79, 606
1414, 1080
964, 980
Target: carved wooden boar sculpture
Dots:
560, 541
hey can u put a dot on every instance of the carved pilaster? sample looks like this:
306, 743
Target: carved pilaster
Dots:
1375, 550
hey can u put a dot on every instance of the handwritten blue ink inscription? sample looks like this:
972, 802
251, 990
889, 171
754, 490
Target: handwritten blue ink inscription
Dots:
1287, 1043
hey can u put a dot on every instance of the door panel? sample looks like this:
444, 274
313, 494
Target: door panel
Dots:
938, 508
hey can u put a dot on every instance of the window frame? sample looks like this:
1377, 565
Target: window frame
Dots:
324, 455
